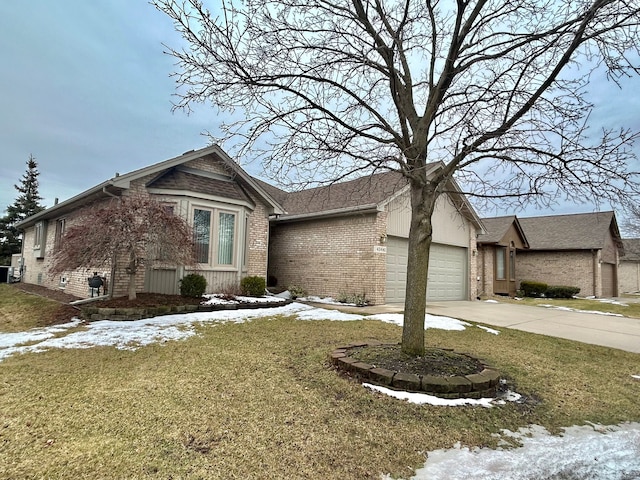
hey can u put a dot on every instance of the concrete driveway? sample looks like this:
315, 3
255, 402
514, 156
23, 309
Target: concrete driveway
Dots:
609, 331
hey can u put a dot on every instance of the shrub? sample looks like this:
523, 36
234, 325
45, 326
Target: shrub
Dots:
359, 300
193, 285
297, 291
253, 286
561, 291
533, 289
230, 290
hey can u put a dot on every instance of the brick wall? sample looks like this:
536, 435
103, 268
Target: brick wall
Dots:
629, 277
329, 257
76, 284
571, 268
258, 241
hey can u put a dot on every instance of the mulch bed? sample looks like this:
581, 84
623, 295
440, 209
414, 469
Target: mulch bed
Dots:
144, 300
57, 295
62, 313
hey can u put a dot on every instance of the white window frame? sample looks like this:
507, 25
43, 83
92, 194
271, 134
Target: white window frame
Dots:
38, 228
214, 236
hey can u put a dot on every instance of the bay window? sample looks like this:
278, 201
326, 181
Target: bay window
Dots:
215, 233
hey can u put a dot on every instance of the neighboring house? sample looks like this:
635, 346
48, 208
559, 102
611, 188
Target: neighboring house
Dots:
629, 270
350, 238
497, 255
580, 250
206, 186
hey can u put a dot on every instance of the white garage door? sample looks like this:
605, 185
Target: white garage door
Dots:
447, 271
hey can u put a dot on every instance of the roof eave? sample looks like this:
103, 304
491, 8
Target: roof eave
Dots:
338, 212
62, 207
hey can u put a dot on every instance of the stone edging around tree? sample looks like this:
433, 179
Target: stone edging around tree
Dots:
476, 385
130, 314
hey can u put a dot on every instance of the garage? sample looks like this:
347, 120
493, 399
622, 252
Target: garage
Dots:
447, 271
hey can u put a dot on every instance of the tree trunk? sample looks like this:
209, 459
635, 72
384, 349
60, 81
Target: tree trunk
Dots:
132, 270
420, 235
132, 286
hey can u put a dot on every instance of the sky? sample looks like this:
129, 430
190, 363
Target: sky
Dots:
86, 90
589, 451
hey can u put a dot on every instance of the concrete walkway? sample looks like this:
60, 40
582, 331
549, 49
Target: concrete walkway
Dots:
609, 331
605, 330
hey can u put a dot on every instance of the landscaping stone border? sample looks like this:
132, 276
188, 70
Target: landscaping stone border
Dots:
129, 314
476, 385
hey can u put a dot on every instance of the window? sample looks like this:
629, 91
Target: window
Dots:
226, 229
245, 253
37, 238
211, 248
512, 265
202, 232
500, 263
60, 228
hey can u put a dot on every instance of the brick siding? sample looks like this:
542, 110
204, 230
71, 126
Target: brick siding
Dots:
629, 277
330, 257
571, 268
36, 271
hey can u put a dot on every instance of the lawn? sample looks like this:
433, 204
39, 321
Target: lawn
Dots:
259, 400
621, 307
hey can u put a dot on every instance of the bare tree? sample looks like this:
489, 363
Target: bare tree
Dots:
631, 226
135, 228
495, 90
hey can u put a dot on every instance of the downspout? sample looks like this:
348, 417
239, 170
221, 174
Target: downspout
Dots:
594, 253
22, 268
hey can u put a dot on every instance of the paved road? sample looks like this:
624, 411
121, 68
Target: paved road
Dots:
609, 331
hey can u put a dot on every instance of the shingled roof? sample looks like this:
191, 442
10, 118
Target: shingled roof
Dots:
631, 250
175, 179
370, 190
496, 228
581, 231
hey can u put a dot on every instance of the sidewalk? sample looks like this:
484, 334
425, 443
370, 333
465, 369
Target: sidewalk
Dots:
609, 331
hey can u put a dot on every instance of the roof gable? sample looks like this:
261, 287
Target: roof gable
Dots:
120, 183
369, 193
581, 231
176, 179
497, 227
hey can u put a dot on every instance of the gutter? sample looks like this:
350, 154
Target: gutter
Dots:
61, 205
338, 212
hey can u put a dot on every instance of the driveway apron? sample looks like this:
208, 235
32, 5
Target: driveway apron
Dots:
606, 330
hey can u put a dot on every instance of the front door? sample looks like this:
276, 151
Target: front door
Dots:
504, 275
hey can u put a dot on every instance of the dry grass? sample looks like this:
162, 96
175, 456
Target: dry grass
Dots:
20, 311
258, 400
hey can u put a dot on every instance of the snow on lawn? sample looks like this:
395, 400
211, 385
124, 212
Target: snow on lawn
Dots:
131, 335
423, 398
221, 300
583, 452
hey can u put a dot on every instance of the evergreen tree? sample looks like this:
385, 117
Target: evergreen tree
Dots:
27, 203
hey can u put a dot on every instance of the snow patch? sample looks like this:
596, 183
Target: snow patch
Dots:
595, 452
426, 399
490, 330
